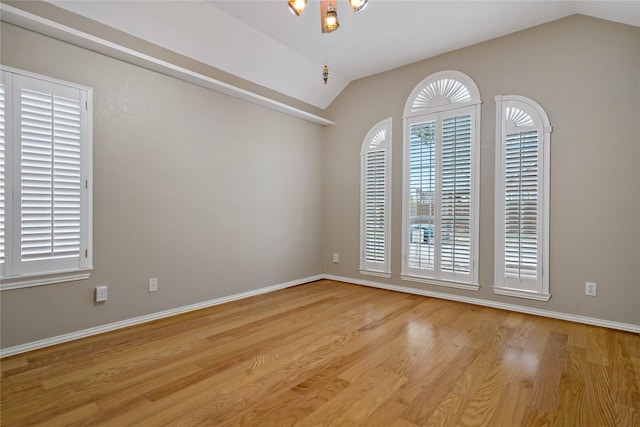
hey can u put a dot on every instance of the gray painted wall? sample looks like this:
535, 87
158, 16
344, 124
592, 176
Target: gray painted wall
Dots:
215, 196
212, 195
585, 72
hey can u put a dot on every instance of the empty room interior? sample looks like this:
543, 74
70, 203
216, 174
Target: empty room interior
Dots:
361, 213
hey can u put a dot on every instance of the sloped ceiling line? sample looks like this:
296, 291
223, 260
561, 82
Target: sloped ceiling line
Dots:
261, 42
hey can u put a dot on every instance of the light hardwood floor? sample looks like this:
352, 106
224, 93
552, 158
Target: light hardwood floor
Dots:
329, 353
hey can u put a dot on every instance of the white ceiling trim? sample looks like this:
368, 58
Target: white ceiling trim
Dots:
58, 31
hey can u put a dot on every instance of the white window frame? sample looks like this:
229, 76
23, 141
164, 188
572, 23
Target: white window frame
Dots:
15, 272
531, 117
442, 94
378, 140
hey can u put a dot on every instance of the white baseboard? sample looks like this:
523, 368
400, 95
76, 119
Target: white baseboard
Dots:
174, 311
148, 318
494, 304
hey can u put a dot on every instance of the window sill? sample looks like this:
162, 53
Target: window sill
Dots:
521, 294
45, 279
457, 285
376, 273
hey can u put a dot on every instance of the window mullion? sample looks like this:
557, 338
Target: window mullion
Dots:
9, 178
13, 264
53, 176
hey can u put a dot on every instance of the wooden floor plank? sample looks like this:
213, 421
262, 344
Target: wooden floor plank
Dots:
385, 414
332, 354
599, 404
545, 390
571, 390
624, 382
72, 416
511, 408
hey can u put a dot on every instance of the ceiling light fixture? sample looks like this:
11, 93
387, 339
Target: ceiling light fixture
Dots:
297, 6
358, 5
328, 18
328, 11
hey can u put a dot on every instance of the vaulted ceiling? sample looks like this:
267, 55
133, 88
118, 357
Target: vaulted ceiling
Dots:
263, 42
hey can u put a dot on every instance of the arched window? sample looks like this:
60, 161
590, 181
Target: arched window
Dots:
522, 198
375, 205
441, 167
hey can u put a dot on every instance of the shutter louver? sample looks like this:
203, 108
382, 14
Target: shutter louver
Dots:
66, 178
422, 173
50, 176
521, 205
456, 195
375, 197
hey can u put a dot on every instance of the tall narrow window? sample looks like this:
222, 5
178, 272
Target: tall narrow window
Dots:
375, 206
45, 165
440, 211
522, 196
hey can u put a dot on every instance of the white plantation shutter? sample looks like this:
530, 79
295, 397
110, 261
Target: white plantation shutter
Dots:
441, 173
375, 206
422, 188
51, 155
456, 194
50, 176
522, 196
375, 200
521, 205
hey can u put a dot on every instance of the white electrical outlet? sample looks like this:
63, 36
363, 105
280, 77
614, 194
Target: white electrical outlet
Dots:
101, 293
153, 284
590, 288
336, 258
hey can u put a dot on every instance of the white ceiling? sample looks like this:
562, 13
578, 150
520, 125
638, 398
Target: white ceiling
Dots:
263, 42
